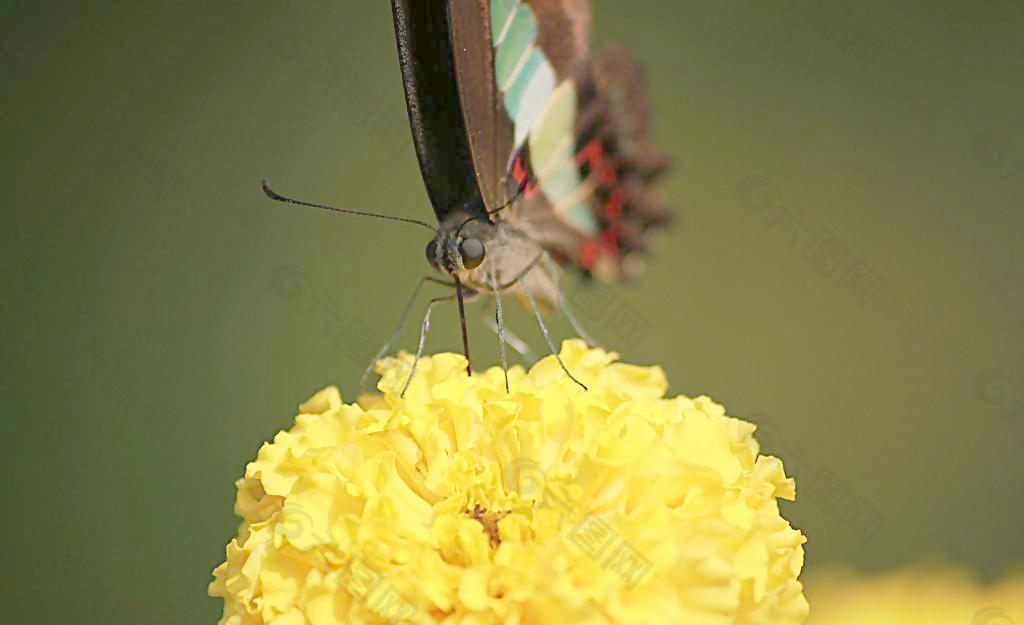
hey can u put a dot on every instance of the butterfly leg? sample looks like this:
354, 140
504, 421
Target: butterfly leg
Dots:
563, 303
499, 318
424, 329
511, 338
401, 324
497, 325
544, 331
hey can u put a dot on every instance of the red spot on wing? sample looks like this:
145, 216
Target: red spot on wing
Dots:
593, 156
609, 176
610, 236
522, 177
590, 154
588, 254
614, 204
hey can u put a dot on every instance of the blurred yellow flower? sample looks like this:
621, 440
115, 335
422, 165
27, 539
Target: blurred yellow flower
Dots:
550, 505
935, 596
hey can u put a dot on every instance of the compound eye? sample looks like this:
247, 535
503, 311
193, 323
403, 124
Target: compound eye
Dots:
472, 252
432, 256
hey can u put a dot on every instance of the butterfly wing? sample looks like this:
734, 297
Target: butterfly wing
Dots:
489, 129
541, 112
432, 98
617, 166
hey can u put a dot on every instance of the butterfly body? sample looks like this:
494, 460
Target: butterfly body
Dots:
487, 256
520, 127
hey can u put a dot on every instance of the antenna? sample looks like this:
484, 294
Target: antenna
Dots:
523, 186
274, 195
519, 193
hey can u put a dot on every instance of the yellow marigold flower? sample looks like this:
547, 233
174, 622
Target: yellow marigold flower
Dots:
936, 596
551, 505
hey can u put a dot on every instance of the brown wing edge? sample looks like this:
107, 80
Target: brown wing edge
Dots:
563, 34
490, 131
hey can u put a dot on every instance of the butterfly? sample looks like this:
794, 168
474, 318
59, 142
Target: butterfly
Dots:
535, 153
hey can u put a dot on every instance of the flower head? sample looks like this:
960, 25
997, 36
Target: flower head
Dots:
461, 503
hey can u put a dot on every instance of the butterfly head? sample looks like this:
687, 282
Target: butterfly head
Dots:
460, 245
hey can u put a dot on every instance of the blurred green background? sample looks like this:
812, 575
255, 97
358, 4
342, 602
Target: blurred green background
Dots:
846, 270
